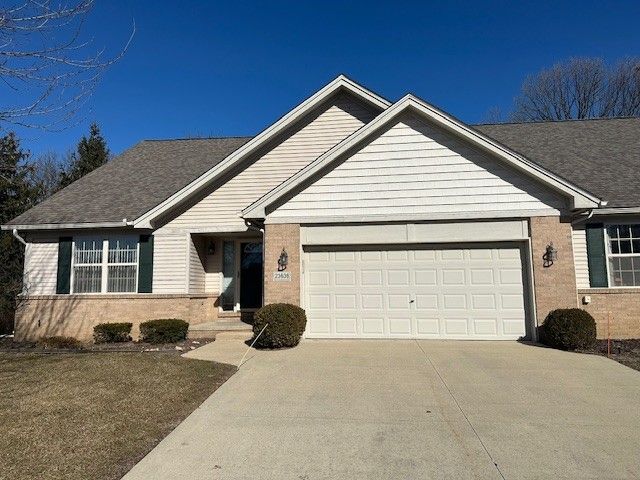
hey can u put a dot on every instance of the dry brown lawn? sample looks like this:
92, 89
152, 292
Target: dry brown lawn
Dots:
93, 415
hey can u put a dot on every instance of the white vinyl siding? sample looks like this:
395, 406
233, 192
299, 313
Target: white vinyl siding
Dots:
213, 267
170, 263
41, 266
334, 122
579, 238
414, 168
196, 265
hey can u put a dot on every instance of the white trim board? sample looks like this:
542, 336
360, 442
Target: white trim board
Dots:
580, 198
340, 83
411, 233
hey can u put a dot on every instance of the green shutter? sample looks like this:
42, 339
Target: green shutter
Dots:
145, 264
596, 255
63, 284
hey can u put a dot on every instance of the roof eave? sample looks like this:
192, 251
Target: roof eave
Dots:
66, 226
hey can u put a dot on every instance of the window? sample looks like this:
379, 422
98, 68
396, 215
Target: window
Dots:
123, 264
87, 265
105, 265
623, 255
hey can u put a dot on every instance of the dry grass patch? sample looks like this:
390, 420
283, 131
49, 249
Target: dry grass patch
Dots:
94, 415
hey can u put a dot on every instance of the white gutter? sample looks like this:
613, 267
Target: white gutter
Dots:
617, 211
18, 237
65, 226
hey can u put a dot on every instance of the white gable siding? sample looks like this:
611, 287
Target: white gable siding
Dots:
579, 238
219, 210
416, 169
41, 266
196, 265
170, 263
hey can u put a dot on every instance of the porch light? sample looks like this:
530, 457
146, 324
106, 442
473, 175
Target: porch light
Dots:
211, 248
283, 260
550, 255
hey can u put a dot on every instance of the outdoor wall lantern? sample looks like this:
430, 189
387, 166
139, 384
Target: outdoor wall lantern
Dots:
283, 260
211, 248
550, 255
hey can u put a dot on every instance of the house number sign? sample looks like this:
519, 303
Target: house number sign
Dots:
281, 276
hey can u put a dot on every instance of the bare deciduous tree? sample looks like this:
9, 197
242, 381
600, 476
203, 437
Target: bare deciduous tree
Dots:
46, 61
580, 88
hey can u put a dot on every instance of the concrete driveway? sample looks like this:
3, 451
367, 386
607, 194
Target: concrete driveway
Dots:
411, 409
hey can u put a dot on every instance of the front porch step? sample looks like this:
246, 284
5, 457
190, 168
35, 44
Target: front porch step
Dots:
211, 329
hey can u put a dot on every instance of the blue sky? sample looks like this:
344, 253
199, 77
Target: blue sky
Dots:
232, 68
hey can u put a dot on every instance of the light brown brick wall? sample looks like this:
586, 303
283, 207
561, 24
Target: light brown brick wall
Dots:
276, 237
76, 315
624, 306
555, 285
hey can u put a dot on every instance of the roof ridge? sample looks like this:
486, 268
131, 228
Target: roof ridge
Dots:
568, 120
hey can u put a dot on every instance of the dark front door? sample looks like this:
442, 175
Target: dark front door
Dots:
250, 275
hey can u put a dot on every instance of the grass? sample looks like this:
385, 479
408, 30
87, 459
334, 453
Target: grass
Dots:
93, 415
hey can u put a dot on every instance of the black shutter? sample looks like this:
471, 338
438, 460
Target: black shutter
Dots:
596, 255
63, 284
145, 264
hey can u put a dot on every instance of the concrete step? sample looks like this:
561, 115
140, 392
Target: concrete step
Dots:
213, 329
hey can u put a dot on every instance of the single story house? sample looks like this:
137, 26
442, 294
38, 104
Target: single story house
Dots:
380, 219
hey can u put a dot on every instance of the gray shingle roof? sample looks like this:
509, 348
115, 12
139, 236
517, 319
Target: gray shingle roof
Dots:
601, 156
132, 183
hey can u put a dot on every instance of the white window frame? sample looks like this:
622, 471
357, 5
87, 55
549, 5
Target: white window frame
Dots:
105, 266
609, 254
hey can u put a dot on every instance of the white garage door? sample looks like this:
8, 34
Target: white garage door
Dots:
458, 293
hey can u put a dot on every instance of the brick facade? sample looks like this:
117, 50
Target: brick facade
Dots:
623, 305
276, 237
76, 315
555, 285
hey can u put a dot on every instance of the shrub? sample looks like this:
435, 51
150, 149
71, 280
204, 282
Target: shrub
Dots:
286, 325
61, 342
112, 332
166, 330
569, 329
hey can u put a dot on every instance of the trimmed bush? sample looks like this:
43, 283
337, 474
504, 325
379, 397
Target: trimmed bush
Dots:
286, 325
60, 342
165, 330
112, 332
569, 329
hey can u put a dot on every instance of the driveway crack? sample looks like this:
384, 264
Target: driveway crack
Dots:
475, 432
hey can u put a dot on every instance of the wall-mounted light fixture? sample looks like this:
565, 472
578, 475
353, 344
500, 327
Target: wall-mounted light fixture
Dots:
211, 247
283, 260
550, 255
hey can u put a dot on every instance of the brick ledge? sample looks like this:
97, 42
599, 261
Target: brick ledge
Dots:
608, 291
117, 296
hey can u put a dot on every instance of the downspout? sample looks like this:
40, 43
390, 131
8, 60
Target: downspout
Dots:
15, 233
583, 219
255, 226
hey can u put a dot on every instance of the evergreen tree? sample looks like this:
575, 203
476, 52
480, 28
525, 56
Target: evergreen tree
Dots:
92, 153
17, 194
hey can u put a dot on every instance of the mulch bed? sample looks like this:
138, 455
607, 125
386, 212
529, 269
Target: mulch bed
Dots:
626, 352
8, 345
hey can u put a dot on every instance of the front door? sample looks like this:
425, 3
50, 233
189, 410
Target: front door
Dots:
250, 275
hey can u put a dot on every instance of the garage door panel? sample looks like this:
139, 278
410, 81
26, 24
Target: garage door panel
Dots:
373, 326
345, 278
474, 293
485, 326
400, 326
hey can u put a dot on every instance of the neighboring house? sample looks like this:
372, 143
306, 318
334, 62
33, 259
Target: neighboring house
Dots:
396, 220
